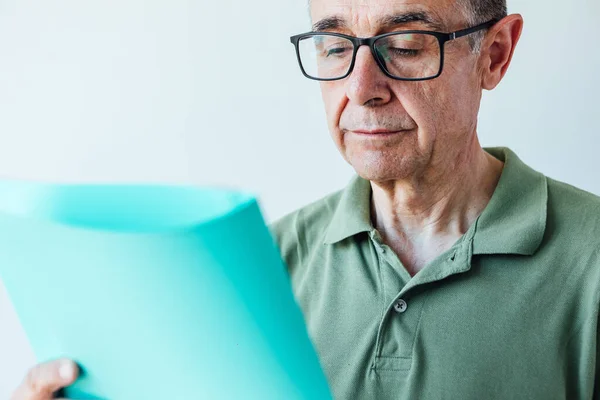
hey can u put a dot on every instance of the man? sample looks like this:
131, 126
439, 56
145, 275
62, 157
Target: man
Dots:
443, 270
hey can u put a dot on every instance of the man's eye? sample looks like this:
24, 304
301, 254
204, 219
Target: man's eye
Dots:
399, 51
337, 51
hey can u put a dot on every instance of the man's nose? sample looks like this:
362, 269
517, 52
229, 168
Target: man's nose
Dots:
367, 84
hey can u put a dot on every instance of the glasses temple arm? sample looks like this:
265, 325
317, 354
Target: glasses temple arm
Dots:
468, 31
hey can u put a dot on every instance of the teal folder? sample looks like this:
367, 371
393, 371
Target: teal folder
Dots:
157, 291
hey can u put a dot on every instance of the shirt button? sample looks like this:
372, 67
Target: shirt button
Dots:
400, 306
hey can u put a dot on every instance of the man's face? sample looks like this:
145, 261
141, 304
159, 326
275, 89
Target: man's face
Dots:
430, 121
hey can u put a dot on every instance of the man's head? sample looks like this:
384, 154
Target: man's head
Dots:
432, 123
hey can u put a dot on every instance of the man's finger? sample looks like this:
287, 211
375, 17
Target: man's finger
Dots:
43, 380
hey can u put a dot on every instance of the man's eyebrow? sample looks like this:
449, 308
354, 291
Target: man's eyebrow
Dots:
405, 18
390, 21
329, 23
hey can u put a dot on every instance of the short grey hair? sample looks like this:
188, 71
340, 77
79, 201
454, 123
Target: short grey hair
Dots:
480, 11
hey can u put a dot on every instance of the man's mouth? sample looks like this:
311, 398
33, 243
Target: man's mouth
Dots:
378, 132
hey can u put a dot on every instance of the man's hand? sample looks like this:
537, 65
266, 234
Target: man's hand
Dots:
44, 380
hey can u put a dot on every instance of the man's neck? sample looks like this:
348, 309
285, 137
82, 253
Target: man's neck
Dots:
421, 218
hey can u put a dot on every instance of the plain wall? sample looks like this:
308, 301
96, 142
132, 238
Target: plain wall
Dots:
210, 93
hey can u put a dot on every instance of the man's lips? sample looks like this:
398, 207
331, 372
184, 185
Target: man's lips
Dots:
375, 132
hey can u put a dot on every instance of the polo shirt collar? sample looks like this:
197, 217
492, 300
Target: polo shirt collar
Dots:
513, 222
353, 213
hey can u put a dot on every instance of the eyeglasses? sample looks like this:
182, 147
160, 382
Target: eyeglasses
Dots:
404, 55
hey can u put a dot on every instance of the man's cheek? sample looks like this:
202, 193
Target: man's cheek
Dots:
334, 106
418, 103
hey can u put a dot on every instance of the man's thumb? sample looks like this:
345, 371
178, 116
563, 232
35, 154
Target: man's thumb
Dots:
43, 380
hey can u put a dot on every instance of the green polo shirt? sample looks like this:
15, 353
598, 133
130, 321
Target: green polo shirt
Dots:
509, 312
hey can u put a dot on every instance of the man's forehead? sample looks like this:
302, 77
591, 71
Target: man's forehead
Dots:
353, 10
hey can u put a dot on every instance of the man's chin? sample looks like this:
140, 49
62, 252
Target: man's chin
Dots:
383, 171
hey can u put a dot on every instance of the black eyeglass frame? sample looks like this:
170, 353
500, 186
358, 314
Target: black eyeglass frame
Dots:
442, 38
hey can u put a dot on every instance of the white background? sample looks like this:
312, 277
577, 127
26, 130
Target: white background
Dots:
210, 93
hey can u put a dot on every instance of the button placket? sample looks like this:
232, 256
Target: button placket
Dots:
400, 358
399, 305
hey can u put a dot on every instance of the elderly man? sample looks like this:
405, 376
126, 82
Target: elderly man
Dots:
442, 270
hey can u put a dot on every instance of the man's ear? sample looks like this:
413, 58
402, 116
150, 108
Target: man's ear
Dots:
497, 49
